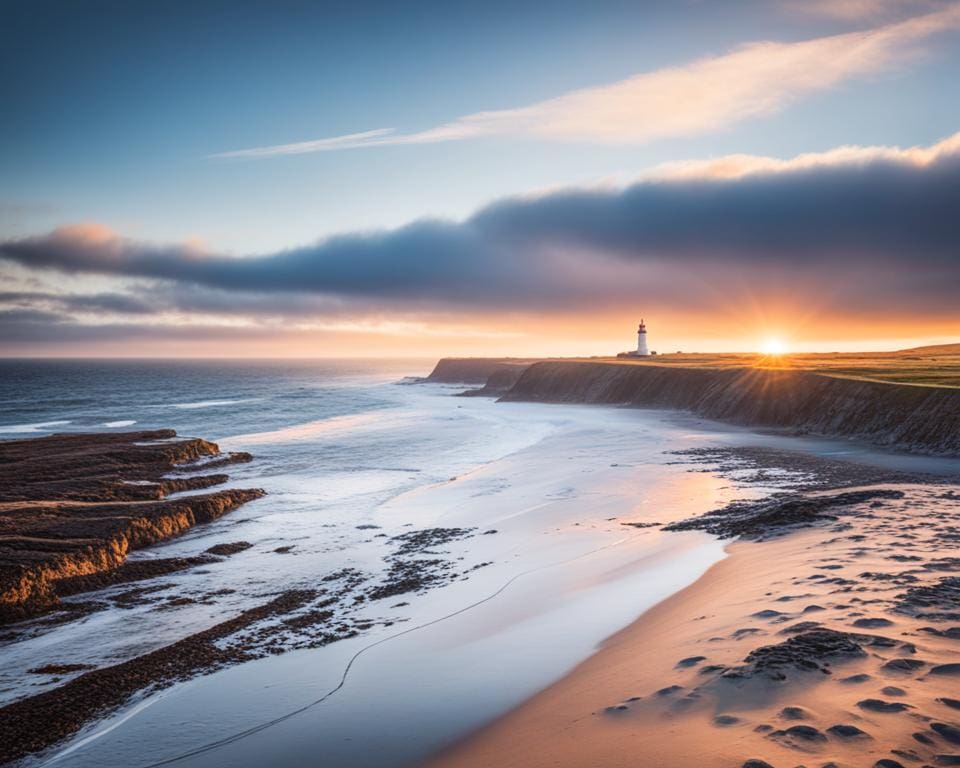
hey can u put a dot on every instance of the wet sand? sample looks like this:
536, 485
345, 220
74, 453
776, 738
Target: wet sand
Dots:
834, 644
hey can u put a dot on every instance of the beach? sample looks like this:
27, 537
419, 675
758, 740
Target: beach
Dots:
836, 644
433, 577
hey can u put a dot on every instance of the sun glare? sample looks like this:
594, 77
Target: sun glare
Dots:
773, 347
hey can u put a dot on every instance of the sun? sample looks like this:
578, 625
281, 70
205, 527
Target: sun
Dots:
773, 347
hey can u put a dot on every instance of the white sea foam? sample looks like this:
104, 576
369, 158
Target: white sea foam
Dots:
121, 423
211, 404
313, 429
43, 426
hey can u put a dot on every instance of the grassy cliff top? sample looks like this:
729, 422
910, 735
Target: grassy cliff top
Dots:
937, 366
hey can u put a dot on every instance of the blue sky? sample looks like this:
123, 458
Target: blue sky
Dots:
114, 108
118, 112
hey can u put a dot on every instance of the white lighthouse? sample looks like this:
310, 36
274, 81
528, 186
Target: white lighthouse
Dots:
642, 349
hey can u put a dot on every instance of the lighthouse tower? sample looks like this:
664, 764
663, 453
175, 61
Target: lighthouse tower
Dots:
642, 350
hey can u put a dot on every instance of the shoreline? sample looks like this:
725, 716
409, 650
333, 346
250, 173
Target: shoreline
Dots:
682, 686
543, 514
716, 466
811, 400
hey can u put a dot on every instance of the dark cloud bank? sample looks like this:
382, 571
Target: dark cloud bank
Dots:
869, 232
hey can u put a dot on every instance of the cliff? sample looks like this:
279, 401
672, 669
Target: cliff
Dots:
914, 418
476, 370
73, 506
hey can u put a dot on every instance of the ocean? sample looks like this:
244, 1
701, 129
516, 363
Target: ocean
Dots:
353, 454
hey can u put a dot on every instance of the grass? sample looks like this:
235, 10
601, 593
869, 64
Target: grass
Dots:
937, 366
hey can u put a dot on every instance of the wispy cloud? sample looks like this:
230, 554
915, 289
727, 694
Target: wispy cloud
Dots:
348, 141
873, 10
701, 96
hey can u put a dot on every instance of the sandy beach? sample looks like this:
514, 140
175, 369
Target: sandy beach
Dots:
833, 645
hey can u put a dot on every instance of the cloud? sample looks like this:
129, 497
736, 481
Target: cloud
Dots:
856, 10
859, 229
738, 166
348, 141
117, 303
701, 96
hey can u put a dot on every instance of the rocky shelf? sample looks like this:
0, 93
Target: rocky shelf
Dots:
73, 506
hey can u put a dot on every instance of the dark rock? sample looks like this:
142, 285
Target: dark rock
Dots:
59, 669
756, 764
892, 690
878, 705
617, 709
946, 669
725, 720
934, 602
953, 633
794, 713
803, 626
711, 669
949, 732
757, 518
230, 548
802, 732
416, 542
847, 732
669, 690
406, 576
953, 703
768, 613
855, 679
906, 754
806, 652
874, 623
691, 661
886, 762
903, 665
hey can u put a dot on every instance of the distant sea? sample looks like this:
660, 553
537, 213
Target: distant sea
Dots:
211, 399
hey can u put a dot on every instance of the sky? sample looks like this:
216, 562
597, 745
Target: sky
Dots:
310, 179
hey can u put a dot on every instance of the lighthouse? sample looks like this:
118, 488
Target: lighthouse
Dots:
642, 350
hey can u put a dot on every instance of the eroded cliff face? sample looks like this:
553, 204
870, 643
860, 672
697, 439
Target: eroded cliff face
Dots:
913, 418
73, 506
476, 370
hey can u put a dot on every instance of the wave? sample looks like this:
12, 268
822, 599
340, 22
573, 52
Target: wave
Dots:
310, 429
211, 403
122, 423
29, 428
